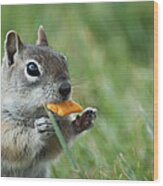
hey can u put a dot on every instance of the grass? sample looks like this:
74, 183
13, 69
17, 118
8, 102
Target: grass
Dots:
110, 53
63, 143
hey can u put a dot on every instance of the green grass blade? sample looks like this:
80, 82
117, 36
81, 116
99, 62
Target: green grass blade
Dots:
63, 143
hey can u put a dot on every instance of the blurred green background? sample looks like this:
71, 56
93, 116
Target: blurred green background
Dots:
110, 52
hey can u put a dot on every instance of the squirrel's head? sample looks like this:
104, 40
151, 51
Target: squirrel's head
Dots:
33, 75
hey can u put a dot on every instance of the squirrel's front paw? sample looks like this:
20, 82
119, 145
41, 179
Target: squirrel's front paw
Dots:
43, 126
85, 120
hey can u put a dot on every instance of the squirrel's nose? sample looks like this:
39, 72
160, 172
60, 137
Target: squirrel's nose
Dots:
65, 89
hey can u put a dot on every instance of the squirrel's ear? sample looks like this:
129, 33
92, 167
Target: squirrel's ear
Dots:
13, 44
42, 39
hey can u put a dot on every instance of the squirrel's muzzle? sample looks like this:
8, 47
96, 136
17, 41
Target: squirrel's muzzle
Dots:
65, 89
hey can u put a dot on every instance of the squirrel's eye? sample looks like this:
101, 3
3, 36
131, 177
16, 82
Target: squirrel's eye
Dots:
32, 69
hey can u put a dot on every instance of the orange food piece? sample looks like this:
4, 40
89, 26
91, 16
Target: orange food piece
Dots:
65, 108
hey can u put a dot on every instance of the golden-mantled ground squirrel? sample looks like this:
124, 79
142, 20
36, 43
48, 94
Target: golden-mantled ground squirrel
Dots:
33, 75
